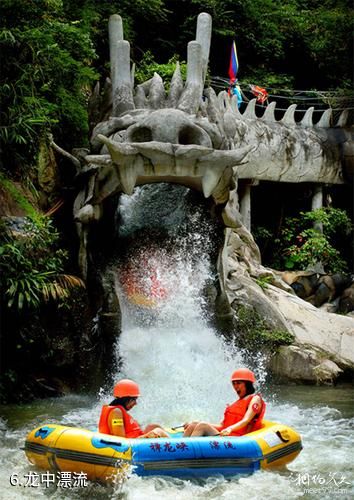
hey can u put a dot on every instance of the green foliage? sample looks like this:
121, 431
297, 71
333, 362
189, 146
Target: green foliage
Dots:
262, 234
275, 36
300, 245
334, 220
256, 334
264, 281
31, 262
313, 247
18, 197
44, 80
148, 66
315, 24
276, 81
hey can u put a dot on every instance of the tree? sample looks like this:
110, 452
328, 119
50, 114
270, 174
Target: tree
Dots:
45, 79
300, 246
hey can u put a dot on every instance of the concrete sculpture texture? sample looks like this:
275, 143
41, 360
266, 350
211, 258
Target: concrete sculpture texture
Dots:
199, 139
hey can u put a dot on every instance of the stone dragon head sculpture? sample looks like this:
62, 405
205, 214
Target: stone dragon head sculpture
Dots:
194, 137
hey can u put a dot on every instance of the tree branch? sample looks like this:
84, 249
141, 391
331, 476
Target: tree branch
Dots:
62, 151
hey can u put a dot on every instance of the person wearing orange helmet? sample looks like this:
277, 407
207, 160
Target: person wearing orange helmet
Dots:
115, 419
241, 417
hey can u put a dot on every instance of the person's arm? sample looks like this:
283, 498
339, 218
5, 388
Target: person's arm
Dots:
253, 409
116, 423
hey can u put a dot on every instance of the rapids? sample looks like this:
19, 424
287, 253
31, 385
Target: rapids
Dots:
183, 367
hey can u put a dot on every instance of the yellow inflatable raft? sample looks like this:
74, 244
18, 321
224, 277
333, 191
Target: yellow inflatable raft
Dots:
100, 456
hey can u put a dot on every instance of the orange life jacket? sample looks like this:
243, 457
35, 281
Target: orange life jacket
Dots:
131, 426
236, 411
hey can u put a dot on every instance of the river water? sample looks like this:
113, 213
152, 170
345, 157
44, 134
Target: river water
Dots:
183, 368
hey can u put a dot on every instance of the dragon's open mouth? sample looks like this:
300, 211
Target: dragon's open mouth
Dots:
199, 166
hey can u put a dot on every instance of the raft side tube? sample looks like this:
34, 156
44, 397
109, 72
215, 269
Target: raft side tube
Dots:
279, 443
196, 457
97, 455
40, 444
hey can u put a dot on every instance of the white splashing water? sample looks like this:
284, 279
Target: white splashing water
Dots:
177, 358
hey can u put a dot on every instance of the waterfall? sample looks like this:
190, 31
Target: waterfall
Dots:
169, 346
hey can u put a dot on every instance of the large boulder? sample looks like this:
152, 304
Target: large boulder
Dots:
304, 364
324, 342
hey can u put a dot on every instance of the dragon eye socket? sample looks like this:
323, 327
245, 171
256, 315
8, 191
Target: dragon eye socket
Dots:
141, 134
193, 135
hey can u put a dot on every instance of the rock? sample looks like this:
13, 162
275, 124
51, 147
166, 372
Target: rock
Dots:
294, 363
246, 291
47, 171
346, 300
316, 288
330, 307
304, 365
329, 287
331, 333
88, 213
319, 335
304, 286
327, 372
13, 198
18, 227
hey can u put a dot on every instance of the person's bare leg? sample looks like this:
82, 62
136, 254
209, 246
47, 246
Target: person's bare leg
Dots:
157, 432
204, 429
190, 428
150, 427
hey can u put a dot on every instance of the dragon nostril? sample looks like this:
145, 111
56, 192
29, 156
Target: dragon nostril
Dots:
141, 134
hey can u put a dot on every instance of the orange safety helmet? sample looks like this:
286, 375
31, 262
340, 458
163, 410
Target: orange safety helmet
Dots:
243, 374
126, 388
